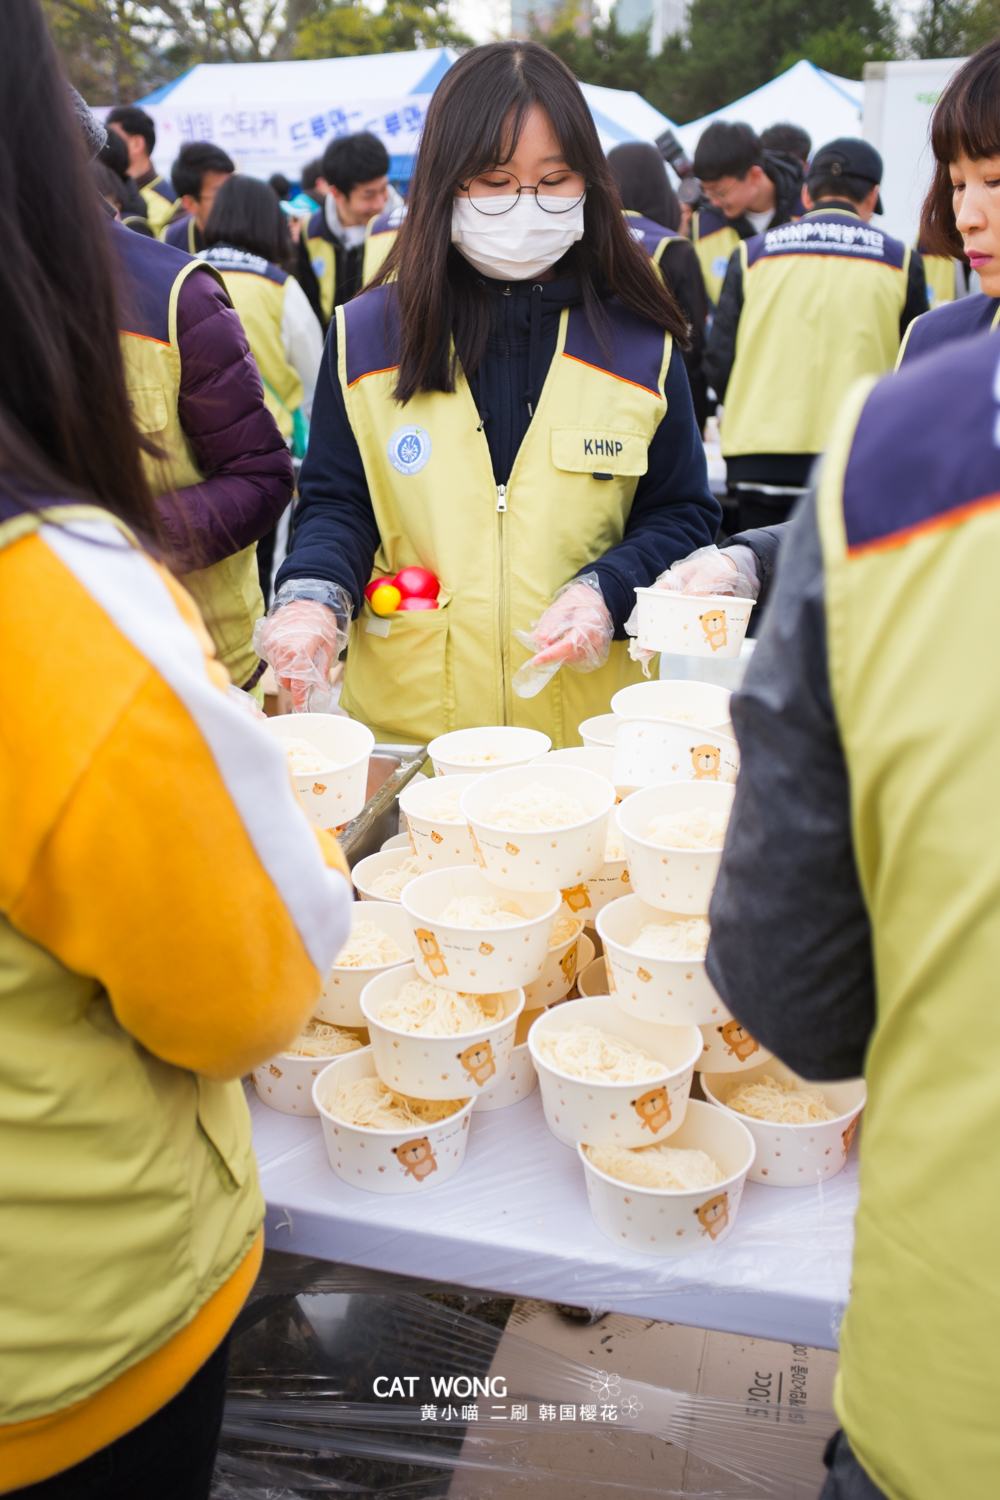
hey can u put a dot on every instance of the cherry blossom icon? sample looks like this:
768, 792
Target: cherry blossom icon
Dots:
631, 1406
605, 1384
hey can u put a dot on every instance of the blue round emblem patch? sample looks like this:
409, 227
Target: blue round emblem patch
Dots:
319, 265
409, 449
720, 266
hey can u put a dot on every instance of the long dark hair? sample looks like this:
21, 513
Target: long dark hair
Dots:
245, 213
966, 123
65, 424
473, 123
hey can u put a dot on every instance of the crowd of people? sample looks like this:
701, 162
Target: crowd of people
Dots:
221, 417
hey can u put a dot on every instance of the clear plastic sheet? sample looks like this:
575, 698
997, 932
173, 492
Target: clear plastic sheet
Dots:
316, 1339
515, 1219
302, 635
575, 631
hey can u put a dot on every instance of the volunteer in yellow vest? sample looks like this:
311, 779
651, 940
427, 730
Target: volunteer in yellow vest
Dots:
247, 236
805, 310
331, 246
137, 130
748, 189
166, 912
854, 922
654, 214
961, 213
538, 453
226, 476
197, 175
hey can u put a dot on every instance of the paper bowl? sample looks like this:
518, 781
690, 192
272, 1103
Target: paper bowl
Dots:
518, 747
285, 1083
620, 1114
598, 758
387, 1161
592, 979
478, 960
340, 999
438, 843
729, 1047
652, 1221
666, 991
519, 1077
546, 859
330, 798
599, 731
648, 751
794, 1155
691, 624
369, 869
437, 1067
398, 841
558, 974
677, 880
697, 703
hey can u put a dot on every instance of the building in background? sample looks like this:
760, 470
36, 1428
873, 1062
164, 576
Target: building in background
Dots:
527, 16
663, 17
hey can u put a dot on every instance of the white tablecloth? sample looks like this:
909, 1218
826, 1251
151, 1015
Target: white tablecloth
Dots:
515, 1220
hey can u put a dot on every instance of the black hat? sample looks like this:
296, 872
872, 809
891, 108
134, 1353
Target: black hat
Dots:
848, 157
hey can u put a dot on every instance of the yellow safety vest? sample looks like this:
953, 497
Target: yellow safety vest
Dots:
228, 593
499, 554
257, 291
939, 273
910, 529
715, 239
822, 300
380, 236
161, 204
131, 1162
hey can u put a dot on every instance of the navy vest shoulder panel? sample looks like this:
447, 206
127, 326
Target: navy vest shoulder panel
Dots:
318, 228
648, 233
150, 268
229, 258
926, 447
165, 189
389, 219
832, 233
635, 347
952, 320
176, 234
372, 324
710, 221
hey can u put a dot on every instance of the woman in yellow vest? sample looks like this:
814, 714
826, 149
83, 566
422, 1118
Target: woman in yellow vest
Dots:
504, 407
134, 793
247, 241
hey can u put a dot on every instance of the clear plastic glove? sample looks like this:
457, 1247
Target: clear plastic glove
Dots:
575, 631
706, 571
245, 702
301, 637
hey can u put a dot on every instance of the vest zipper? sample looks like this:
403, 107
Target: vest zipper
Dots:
501, 497
501, 599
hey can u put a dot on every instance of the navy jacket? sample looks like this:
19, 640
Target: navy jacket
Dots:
673, 511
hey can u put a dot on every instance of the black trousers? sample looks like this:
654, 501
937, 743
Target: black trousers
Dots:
170, 1456
846, 1480
756, 509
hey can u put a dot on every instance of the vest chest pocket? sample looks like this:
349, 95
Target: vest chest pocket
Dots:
600, 450
149, 407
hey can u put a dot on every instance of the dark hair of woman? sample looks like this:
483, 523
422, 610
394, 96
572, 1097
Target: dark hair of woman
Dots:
65, 420
966, 123
641, 178
246, 214
473, 124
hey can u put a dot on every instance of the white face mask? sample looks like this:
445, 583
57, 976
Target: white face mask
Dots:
517, 245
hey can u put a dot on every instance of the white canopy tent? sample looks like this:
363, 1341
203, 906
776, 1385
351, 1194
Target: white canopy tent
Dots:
823, 104
274, 117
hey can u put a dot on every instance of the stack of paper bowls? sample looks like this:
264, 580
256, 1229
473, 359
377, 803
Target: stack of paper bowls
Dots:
331, 798
673, 731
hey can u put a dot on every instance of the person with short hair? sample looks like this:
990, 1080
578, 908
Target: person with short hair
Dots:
806, 309
749, 189
791, 139
653, 212
137, 130
312, 181
199, 171
331, 247
114, 154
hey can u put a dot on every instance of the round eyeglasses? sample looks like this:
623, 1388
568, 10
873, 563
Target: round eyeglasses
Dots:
497, 192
